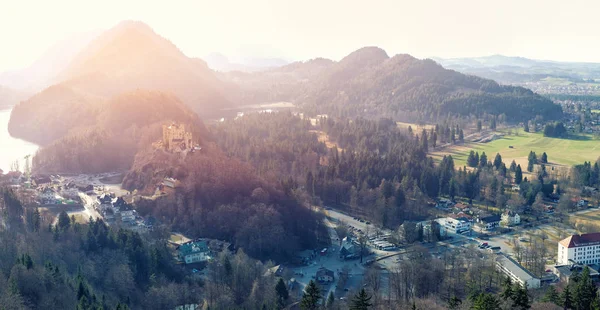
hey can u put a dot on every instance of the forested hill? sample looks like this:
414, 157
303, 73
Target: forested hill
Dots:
366, 83
105, 136
223, 198
369, 83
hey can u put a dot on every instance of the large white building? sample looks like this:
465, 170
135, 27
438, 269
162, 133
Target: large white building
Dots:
516, 272
455, 226
581, 249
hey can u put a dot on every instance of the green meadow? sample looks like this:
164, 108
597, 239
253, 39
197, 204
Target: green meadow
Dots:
566, 152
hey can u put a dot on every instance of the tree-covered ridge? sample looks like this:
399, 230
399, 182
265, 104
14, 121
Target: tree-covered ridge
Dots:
375, 170
403, 84
111, 133
225, 199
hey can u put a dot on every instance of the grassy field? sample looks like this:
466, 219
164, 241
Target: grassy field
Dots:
588, 218
561, 152
415, 127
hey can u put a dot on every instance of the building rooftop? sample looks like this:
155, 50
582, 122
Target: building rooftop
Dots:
461, 206
567, 270
325, 271
514, 267
192, 247
581, 240
490, 219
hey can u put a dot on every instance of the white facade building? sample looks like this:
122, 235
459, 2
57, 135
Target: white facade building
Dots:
582, 249
510, 218
455, 226
516, 272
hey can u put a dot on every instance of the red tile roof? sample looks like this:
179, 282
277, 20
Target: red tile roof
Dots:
461, 206
581, 240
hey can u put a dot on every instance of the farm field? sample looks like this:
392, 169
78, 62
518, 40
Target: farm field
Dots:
561, 152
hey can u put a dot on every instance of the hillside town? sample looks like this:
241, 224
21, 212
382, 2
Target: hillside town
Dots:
341, 265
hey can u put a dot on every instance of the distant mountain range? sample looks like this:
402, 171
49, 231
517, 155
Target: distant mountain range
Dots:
365, 83
220, 62
118, 88
517, 70
369, 83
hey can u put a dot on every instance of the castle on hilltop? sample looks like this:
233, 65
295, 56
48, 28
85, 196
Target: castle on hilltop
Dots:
175, 138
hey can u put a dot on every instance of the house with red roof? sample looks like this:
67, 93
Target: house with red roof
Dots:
580, 249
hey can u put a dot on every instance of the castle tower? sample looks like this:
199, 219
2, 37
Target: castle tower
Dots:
175, 138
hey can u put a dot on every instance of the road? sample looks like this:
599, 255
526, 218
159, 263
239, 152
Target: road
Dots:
349, 220
88, 203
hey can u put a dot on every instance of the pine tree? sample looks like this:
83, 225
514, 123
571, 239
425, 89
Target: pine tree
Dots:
330, 301
544, 158
520, 298
585, 291
64, 222
478, 125
518, 175
566, 298
311, 296
551, 295
530, 166
37, 219
424, 142
483, 160
486, 302
513, 166
361, 301
282, 293
471, 160
532, 157
497, 161
526, 127
461, 136
507, 289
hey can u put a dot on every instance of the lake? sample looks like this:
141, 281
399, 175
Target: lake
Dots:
11, 148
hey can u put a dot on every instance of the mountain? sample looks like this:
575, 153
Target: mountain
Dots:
220, 62
131, 55
52, 113
369, 83
43, 72
525, 71
489, 61
278, 84
109, 133
125, 58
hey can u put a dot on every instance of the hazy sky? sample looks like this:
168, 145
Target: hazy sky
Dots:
298, 30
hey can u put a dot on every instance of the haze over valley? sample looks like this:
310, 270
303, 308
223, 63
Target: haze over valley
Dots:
280, 155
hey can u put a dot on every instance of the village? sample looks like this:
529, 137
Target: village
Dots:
355, 248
